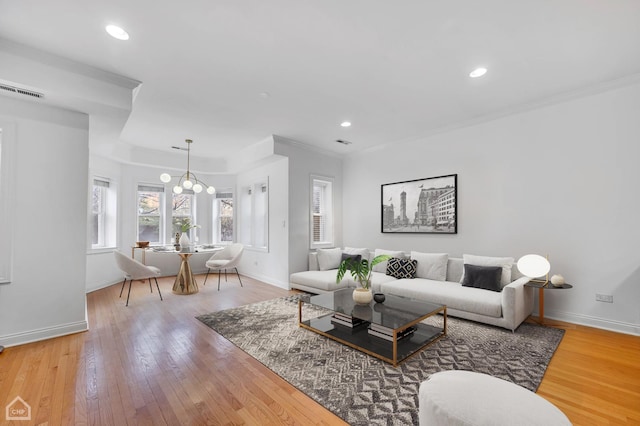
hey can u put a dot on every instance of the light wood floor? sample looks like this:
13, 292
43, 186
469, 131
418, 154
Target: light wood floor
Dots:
154, 363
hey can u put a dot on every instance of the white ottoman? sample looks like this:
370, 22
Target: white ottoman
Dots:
465, 398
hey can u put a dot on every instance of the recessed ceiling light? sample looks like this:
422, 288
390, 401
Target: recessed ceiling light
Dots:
117, 32
264, 95
478, 72
346, 124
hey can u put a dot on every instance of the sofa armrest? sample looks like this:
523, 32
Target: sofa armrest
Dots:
313, 261
517, 302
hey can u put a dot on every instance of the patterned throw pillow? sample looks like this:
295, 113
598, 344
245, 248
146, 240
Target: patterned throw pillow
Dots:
401, 268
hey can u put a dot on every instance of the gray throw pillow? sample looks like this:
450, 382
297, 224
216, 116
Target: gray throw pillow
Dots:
484, 277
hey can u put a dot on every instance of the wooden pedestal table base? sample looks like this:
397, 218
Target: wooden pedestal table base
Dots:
185, 282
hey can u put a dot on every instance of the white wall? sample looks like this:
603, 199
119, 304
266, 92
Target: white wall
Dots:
49, 215
304, 162
272, 266
561, 180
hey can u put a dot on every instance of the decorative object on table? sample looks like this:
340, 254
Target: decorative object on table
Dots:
557, 280
142, 244
317, 365
378, 297
185, 226
176, 244
424, 206
534, 266
187, 180
361, 272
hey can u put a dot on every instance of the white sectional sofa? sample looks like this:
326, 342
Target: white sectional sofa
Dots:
507, 308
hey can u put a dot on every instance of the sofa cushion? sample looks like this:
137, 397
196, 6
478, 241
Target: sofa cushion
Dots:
451, 294
432, 266
322, 280
329, 258
378, 279
401, 268
485, 277
363, 252
505, 262
382, 266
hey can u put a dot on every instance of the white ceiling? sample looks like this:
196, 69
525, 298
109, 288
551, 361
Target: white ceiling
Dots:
396, 70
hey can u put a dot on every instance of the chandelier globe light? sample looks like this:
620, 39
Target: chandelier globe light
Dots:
187, 180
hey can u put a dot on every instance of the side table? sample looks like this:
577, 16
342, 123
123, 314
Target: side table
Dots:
541, 288
185, 282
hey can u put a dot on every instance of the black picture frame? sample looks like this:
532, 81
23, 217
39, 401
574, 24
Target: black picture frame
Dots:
420, 206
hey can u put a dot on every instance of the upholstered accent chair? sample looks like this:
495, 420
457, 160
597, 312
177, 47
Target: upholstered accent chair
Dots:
227, 258
134, 270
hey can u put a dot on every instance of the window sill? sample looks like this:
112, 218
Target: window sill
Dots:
101, 250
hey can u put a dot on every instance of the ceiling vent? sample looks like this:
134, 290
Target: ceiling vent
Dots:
343, 142
21, 91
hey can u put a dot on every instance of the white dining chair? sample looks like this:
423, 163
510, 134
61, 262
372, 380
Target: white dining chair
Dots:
134, 270
227, 258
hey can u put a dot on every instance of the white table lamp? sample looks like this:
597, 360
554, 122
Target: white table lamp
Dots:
534, 266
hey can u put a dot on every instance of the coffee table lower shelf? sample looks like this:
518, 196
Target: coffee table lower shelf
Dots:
359, 338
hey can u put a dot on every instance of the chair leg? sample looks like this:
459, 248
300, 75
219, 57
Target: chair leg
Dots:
238, 274
157, 286
129, 293
150, 288
123, 283
205, 278
225, 275
219, 273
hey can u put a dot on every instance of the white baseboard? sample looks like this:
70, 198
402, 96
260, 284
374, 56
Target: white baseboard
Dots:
268, 280
43, 333
590, 321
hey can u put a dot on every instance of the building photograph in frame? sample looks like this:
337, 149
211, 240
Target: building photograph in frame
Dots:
424, 206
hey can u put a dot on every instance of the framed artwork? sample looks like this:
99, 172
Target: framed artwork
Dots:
422, 206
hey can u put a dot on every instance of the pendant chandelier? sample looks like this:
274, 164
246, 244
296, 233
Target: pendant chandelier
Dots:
187, 180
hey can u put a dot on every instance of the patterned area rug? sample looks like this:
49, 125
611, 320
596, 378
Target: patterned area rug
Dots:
363, 390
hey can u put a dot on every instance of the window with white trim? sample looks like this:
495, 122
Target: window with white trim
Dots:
103, 213
151, 213
321, 220
183, 214
223, 218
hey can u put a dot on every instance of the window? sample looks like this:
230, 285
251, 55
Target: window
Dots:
223, 218
150, 213
254, 215
183, 213
321, 220
103, 214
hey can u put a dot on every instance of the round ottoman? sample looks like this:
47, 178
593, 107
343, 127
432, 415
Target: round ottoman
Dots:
457, 398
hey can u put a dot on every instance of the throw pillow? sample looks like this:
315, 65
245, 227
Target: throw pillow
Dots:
355, 257
382, 266
432, 266
363, 252
401, 268
505, 262
485, 277
329, 258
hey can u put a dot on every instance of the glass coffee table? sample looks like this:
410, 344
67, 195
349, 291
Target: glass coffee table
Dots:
391, 331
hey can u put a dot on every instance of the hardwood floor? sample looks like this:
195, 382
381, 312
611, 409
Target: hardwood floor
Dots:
154, 363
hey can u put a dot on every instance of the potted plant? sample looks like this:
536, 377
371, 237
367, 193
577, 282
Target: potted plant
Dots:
185, 226
361, 272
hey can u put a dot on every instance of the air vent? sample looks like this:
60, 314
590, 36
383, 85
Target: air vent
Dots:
343, 142
21, 91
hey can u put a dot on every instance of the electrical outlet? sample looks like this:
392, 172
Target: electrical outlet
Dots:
608, 298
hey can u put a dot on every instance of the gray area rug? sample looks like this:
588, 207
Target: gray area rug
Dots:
363, 390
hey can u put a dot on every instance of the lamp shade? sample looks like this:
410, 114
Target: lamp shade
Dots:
533, 265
